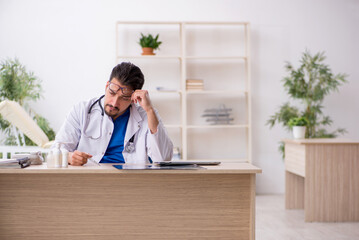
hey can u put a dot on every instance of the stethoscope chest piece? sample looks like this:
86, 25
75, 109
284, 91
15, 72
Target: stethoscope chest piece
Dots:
130, 146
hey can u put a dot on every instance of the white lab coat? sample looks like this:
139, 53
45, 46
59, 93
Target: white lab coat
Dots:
158, 146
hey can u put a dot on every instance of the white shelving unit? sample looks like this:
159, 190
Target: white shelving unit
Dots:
226, 74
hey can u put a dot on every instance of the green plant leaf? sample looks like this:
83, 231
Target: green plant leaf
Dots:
18, 84
297, 121
149, 41
285, 113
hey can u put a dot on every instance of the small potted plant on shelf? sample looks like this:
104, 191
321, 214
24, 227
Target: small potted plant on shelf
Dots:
298, 125
149, 43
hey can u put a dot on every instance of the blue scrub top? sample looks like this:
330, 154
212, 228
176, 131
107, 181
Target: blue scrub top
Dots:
115, 147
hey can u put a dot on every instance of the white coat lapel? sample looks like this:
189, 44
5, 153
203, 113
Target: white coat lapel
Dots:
134, 122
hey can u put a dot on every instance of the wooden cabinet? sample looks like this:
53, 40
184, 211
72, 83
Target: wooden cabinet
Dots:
215, 52
322, 177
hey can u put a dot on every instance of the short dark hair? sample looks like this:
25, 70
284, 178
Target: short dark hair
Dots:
129, 75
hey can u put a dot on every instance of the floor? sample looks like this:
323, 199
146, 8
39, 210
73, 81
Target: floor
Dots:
273, 222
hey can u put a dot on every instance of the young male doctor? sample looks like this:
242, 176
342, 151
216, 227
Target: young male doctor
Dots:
120, 127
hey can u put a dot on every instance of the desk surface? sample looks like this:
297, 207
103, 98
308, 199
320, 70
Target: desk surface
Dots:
226, 168
322, 141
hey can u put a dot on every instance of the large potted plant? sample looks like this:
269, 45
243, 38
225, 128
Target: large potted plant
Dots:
149, 43
18, 84
308, 85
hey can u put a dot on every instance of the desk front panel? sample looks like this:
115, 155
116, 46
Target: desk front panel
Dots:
332, 183
126, 206
295, 159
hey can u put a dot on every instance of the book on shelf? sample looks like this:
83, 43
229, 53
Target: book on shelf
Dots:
190, 88
194, 84
194, 80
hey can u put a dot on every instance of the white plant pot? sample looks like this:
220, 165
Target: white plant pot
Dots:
299, 132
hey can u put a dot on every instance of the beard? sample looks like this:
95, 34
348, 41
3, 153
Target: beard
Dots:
111, 110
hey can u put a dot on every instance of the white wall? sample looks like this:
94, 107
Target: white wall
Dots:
70, 45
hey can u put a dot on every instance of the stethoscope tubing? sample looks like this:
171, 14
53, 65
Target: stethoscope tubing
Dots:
99, 103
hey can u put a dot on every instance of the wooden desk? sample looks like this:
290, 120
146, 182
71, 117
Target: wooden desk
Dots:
101, 202
322, 176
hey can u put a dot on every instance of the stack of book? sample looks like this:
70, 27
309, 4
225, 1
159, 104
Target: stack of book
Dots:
194, 84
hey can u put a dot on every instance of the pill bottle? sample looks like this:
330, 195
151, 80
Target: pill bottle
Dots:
65, 155
56, 152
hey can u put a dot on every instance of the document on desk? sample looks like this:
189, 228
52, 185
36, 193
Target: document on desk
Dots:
157, 167
9, 163
182, 162
91, 162
15, 163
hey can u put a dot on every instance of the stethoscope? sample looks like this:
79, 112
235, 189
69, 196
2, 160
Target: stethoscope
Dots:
130, 146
